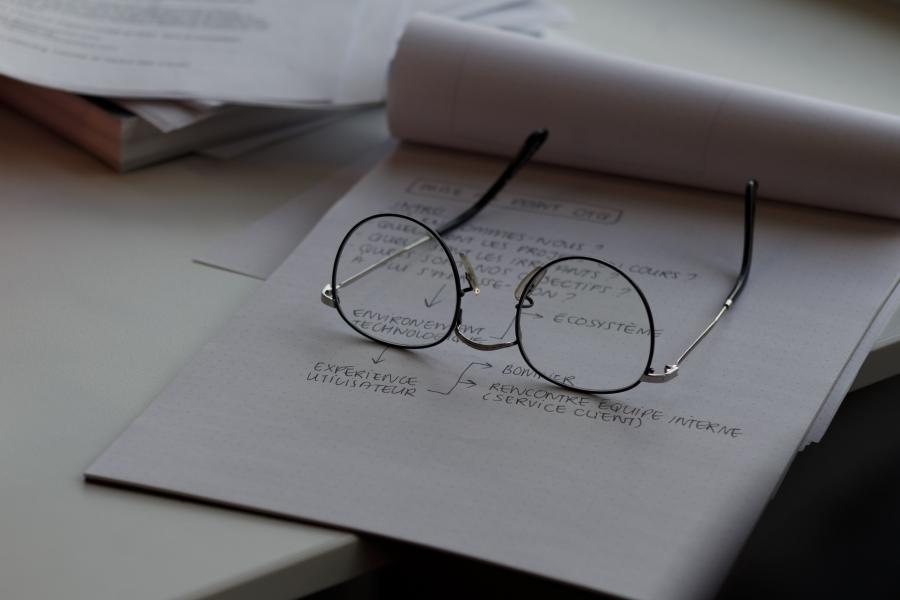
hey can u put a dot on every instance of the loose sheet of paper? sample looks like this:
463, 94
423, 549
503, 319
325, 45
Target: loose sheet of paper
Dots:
647, 494
303, 53
257, 250
276, 52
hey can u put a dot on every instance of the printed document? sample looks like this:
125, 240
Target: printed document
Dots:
302, 53
645, 494
266, 51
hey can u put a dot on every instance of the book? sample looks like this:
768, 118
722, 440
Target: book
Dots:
126, 141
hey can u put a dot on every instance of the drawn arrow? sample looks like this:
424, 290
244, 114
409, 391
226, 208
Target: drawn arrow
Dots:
380, 357
459, 380
505, 331
434, 300
513, 322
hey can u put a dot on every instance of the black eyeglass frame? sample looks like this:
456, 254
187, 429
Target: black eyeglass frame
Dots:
335, 298
522, 302
531, 282
533, 142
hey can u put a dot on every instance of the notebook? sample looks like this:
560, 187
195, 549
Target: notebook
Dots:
645, 494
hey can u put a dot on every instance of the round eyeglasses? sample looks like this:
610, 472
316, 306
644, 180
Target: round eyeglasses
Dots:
397, 282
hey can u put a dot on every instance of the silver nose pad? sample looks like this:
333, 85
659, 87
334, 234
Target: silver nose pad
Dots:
521, 297
470, 275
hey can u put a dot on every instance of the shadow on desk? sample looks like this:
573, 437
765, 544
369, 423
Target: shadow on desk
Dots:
832, 531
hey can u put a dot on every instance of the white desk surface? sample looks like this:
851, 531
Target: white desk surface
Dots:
100, 304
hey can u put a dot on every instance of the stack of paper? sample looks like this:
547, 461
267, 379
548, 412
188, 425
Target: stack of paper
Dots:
177, 65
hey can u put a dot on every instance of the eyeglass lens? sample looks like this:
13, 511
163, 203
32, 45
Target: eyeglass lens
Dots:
588, 327
394, 282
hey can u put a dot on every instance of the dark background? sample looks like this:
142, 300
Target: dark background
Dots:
832, 530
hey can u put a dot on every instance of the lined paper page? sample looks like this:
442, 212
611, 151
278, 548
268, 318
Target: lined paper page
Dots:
646, 494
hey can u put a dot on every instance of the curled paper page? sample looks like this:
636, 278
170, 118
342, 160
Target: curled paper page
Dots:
472, 88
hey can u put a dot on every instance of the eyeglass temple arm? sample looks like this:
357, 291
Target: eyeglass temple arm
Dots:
327, 296
529, 147
671, 370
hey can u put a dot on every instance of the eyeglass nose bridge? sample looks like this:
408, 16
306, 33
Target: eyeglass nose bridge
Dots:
472, 279
475, 344
522, 300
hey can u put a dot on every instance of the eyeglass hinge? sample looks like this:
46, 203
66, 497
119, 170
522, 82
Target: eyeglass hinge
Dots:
670, 372
327, 296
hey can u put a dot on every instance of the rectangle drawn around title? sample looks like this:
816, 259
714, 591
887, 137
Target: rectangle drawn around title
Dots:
580, 211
